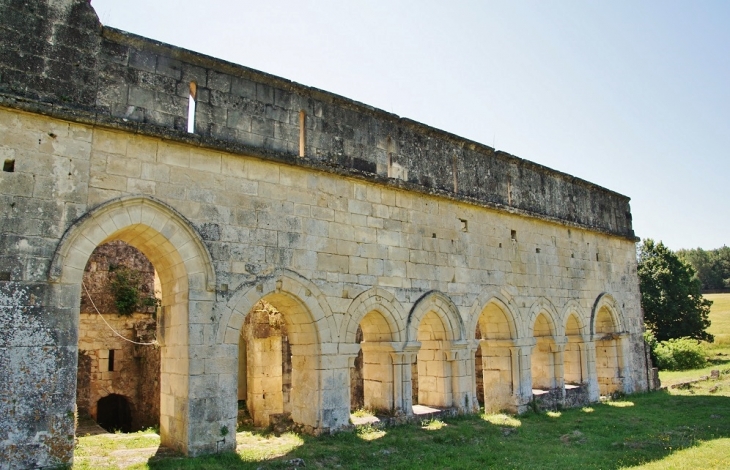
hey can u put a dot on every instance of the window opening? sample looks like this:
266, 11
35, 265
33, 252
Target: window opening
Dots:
302, 133
191, 107
9, 166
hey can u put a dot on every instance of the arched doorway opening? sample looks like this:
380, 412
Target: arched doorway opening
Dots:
185, 271
114, 413
278, 363
543, 356
574, 360
371, 378
117, 336
493, 359
431, 373
608, 353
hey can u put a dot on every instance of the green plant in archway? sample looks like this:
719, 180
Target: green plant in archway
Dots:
126, 285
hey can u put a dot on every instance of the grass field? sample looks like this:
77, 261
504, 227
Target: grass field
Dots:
671, 429
687, 428
720, 318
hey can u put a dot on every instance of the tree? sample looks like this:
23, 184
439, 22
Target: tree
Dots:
712, 266
670, 294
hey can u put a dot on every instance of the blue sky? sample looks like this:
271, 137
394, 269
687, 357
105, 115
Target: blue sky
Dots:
633, 96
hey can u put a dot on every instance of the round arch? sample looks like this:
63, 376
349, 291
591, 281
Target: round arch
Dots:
185, 271
544, 306
606, 301
379, 300
153, 227
309, 325
573, 308
504, 302
443, 307
310, 304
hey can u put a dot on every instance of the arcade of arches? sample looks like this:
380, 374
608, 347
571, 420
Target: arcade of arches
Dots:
304, 308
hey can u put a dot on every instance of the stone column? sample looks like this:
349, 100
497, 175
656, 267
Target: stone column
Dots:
461, 356
307, 382
500, 369
623, 347
594, 393
558, 348
521, 353
334, 372
378, 375
403, 359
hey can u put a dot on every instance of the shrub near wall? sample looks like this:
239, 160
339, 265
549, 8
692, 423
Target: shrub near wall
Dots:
679, 354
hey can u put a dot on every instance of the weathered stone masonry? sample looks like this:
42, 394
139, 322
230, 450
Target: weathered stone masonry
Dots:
337, 214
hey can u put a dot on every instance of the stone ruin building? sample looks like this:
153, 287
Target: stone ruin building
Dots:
314, 254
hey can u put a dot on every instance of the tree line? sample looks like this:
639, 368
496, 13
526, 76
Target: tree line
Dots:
712, 267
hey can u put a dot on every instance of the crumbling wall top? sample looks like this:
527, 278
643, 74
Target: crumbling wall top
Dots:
58, 59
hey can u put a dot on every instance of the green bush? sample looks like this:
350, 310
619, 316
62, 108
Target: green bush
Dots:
126, 285
679, 354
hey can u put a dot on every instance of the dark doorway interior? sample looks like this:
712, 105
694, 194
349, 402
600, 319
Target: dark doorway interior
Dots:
114, 414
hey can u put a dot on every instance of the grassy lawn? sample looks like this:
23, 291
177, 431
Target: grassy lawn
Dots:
720, 318
638, 431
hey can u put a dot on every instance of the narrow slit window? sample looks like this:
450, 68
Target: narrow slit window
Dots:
111, 361
302, 133
389, 150
513, 235
191, 107
9, 166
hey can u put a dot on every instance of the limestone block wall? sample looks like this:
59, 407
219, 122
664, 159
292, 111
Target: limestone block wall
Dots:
135, 369
411, 234
266, 235
60, 53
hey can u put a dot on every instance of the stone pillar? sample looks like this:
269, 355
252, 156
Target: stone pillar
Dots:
594, 393
624, 358
334, 370
461, 356
499, 369
558, 348
522, 362
306, 396
402, 362
378, 375
264, 395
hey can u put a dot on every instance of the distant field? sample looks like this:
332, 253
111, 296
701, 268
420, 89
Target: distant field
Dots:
720, 318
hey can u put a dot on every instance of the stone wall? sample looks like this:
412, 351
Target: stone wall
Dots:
140, 83
382, 225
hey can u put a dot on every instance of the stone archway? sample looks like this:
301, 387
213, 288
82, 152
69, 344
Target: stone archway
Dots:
441, 375
496, 358
185, 270
376, 322
609, 346
308, 324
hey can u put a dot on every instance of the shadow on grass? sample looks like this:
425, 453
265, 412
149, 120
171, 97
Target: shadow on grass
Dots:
636, 430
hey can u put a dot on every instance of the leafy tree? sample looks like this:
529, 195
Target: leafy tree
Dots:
670, 294
712, 266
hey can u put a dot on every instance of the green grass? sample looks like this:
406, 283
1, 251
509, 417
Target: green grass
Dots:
667, 429
720, 318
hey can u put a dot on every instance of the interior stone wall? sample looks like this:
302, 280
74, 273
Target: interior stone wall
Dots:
135, 368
